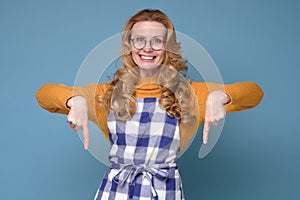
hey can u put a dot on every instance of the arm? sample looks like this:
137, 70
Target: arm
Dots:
54, 97
215, 100
242, 95
78, 102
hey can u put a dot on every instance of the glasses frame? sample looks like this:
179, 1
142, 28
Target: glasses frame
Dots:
150, 41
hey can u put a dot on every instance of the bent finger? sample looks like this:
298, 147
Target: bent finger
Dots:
216, 123
76, 128
71, 125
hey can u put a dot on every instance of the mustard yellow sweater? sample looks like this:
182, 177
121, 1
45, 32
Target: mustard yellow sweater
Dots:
53, 97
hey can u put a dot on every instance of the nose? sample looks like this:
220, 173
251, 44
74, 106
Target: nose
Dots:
147, 47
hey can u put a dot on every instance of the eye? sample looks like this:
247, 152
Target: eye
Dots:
157, 41
140, 39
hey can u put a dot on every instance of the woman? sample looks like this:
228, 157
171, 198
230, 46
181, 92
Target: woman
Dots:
149, 112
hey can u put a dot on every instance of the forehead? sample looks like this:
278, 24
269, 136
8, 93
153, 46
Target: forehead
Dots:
148, 28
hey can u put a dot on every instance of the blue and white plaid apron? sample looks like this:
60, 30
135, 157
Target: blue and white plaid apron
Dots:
143, 156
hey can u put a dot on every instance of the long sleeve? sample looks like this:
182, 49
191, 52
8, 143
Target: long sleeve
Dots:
54, 97
243, 95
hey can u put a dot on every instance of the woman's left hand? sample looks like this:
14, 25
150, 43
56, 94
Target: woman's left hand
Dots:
214, 111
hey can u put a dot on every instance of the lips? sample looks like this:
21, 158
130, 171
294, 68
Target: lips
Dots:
147, 58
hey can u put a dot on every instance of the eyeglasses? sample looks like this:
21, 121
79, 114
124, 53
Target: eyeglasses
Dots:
156, 44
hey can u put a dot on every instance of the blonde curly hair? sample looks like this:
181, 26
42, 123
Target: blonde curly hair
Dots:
176, 96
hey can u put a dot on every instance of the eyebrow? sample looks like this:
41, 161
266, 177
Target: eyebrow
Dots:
156, 36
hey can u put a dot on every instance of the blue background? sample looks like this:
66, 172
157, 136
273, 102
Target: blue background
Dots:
46, 41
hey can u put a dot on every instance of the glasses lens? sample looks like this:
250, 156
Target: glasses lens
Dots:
139, 43
157, 44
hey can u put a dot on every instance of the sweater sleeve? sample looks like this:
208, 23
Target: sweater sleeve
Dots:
243, 95
54, 97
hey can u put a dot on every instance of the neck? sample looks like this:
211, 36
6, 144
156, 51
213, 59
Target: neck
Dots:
149, 72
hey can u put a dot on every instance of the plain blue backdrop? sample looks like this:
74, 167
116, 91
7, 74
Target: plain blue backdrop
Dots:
249, 40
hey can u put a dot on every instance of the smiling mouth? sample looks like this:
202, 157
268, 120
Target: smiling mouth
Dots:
147, 58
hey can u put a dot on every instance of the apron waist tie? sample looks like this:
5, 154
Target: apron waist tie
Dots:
160, 171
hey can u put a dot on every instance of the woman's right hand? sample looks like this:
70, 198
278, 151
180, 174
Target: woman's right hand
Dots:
78, 117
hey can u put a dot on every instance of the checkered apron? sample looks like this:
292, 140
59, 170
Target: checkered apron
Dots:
143, 156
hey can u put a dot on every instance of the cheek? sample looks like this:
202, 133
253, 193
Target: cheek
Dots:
162, 56
134, 56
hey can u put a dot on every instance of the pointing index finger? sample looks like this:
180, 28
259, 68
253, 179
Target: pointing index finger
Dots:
86, 136
206, 128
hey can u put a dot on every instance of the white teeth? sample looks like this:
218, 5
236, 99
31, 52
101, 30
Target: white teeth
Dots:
147, 57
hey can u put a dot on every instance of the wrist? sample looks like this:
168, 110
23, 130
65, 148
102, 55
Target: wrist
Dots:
77, 99
222, 96
227, 99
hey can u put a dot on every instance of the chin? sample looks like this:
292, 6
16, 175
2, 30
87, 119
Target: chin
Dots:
148, 66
